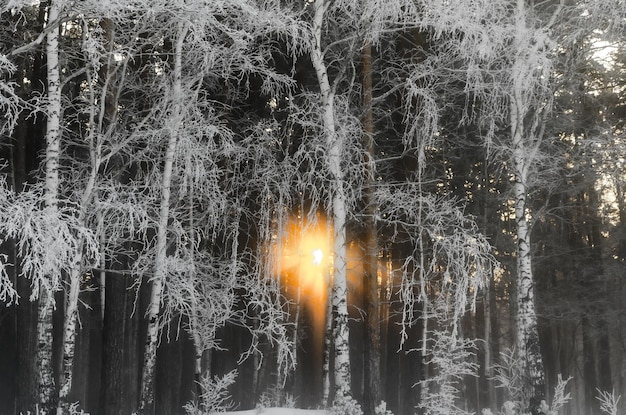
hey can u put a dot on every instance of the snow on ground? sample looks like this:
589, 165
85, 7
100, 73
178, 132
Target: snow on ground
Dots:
279, 411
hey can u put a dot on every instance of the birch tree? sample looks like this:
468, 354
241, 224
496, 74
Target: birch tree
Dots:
173, 126
53, 134
216, 41
527, 90
526, 138
73, 186
338, 207
507, 58
84, 190
353, 27
80, 241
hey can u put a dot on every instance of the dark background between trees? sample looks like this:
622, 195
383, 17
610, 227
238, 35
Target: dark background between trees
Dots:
268, 161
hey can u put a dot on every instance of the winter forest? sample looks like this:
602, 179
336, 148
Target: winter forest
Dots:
378, 207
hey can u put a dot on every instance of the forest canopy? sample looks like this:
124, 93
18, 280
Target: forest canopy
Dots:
367, 206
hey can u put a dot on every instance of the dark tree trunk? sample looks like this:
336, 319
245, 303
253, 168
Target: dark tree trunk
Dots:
372, 396
26, 321
26, 146
8, 354
169, 372
114, 383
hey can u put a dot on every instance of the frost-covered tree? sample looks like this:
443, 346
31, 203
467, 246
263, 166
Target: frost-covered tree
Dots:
338, 204
505, 55
528, 102
79, 242
339, 32
225, 43
172, 131
179, 138
518, 94
51, 189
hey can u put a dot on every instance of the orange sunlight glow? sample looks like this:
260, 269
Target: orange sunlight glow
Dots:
304, 260
304, 264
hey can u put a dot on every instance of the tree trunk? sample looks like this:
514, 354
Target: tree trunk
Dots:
27, 372
107, 120
114, 333
490, 393
371, 296
26, 314
527, 335
147, 380
69, 341
523, 152
335, 148
328, 344
384, 317
198, 344
71, 310
46, 384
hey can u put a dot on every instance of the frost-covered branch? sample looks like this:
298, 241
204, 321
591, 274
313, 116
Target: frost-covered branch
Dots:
46, 239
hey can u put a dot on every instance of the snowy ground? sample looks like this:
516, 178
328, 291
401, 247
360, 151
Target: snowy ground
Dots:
279, 411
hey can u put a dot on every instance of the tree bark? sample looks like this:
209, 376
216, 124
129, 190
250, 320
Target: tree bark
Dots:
71, 310
328, 343
76, 273
370, 287
335, 148
527, 335
46, 384
524, 148
147, 379
26, 311
113, 334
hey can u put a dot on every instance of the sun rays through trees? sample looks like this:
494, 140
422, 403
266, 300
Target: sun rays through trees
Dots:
413, 206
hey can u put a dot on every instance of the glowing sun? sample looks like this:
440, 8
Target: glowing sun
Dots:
304, 264
318, 256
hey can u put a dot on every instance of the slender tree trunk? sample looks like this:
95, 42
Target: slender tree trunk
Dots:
335, 148
71, 311
523, 153
620, 335
69, 341
527, 335
46, 384
147, 379
197, 346
384, 317
579, 406
488, 360
372, 347
328, 343
27, 342
26, 311
102, 285
113, 334
283, 374
198, 343
44, 351
107, 121
489, 303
